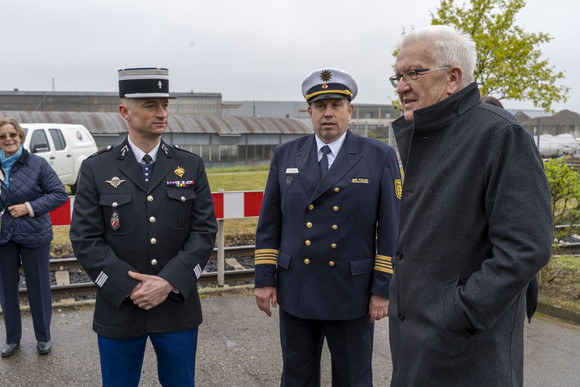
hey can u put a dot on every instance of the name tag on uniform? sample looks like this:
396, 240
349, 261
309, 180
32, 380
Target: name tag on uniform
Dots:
360, 180
292, 170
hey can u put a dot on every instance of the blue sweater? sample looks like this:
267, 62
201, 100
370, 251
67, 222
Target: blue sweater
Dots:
31, 180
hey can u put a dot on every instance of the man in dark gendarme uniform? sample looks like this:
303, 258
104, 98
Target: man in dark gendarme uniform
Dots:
143, 228
325, 238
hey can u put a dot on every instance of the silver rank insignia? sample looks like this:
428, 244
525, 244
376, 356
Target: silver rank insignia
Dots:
115, 220
179, 171
115, 181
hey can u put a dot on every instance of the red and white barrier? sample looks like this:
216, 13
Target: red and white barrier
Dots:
237, 204
227, 205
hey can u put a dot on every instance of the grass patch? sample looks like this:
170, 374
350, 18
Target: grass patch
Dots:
239, 181
561, 282
240, 168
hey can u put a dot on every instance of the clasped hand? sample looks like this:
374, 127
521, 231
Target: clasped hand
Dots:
151, 291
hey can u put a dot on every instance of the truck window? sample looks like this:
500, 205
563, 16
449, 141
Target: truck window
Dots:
39, 142
57, 139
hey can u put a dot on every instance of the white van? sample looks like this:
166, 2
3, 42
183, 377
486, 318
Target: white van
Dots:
64, 146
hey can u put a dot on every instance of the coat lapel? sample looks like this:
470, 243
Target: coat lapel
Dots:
162, 165
347, 158
307, 164
129, 166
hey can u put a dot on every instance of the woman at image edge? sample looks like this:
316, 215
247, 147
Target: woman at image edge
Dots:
29, 190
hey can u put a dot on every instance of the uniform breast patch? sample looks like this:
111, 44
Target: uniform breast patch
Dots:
398, 188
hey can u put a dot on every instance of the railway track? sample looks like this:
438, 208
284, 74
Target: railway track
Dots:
234, 273
237, 271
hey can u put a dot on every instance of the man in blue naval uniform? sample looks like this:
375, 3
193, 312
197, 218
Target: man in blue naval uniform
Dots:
143, 228
325, 238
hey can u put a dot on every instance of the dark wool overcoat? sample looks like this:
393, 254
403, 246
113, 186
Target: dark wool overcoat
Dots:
166, 228
475, 228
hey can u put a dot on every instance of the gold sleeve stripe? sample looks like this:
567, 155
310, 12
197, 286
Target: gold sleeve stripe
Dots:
266, 256
383, 263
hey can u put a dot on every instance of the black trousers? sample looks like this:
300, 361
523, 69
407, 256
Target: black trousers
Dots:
350, 343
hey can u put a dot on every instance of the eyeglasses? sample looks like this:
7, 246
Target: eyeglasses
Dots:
11, 135
411, 75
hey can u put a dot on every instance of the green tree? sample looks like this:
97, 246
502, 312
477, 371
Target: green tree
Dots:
565, 192
509, 64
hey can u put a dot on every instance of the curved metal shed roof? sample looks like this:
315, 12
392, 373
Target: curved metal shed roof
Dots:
113, 123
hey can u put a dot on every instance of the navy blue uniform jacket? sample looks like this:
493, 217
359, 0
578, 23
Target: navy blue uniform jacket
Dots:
327, 244
163, 229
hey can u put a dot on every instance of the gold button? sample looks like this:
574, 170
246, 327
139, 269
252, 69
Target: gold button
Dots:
309, 224
331, 263
153, 241
336, 189
152, 219
311, 207
307, 243
154, 262
333, 245
335, 208
306, 261
115, 204
150, 198
335, 227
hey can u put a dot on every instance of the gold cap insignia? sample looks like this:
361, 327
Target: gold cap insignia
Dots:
325, 75
115, 181
398, 188
179, 171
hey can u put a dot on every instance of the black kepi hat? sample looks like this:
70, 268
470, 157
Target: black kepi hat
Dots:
145, 82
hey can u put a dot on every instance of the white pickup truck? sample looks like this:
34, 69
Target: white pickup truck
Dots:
64, 146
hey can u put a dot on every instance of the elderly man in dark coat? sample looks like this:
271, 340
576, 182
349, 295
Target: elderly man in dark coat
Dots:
475, 224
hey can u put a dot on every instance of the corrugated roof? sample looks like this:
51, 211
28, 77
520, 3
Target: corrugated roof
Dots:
563, 117
113, 123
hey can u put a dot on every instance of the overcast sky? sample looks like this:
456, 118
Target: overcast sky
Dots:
243, 49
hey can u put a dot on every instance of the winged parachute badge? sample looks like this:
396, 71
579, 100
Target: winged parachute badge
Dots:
115, 181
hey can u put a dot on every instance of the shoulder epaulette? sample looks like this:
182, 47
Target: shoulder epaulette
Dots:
108, 148
177, 147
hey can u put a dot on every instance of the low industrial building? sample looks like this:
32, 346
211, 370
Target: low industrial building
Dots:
220, 141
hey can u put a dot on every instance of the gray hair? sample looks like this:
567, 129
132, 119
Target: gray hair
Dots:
452, 48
